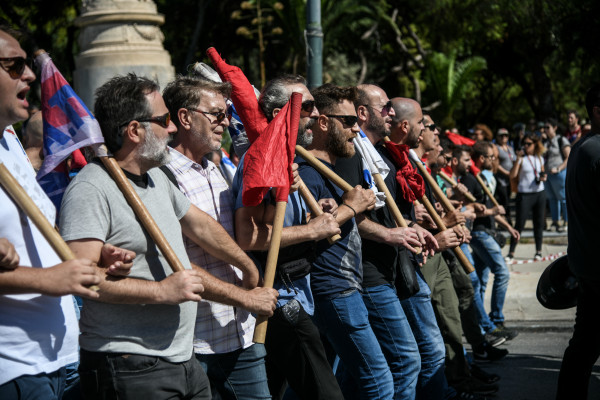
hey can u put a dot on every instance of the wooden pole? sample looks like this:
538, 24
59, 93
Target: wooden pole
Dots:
314, 206
260, 330
487, 190
454, 184
323, 169
142, 213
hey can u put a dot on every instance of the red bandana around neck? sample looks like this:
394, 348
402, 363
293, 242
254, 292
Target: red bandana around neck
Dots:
412, 184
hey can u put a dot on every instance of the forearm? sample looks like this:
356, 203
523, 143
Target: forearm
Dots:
345, 213
502, 221
128, 290
371, 230
23, 280
220, 291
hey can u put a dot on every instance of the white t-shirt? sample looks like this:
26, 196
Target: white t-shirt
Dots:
38, 334
531, 166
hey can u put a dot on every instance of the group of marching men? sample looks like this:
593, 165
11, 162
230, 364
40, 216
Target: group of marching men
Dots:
385, 306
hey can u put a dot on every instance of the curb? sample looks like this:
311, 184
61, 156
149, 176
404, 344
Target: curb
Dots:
542, 326
531, 260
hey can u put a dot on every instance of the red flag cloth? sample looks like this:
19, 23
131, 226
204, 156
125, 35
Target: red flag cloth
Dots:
412, 184
459, 139
269, 159
474, 170
448, 170
242, 95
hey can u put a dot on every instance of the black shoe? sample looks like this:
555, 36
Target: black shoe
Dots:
475, 386
494, 339
483, 375
501, 330
485, 352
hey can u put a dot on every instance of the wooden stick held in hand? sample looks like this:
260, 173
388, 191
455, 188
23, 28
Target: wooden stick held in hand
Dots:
454, 184
487, 190
315, 208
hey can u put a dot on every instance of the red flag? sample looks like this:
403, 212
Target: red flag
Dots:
408, 178
448, 170
459, 139
242, 95
474, 170
269, 159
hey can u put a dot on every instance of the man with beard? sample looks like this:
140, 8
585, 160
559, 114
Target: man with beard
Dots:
294, 349
223, 335
381, 240
336, 278
137, 338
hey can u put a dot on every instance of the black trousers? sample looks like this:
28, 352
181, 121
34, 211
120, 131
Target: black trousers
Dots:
536, 203
503, 196
107, 376
295, 353
584, 346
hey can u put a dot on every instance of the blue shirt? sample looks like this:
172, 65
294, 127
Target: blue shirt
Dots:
293, 216
338, 266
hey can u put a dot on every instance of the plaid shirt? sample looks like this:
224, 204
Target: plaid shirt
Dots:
219, 328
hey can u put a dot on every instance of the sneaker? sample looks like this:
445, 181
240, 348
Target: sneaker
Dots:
559, 229
483, 375
509, 259
501, 330
485, 353
494, 339
475, 386
537, 257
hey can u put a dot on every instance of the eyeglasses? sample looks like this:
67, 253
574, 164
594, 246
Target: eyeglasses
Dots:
219, 115
162, 120
547, 127
384, 110
527, 144
431, 127
490, 157
15, 66
348, 120
308, 106
448, 158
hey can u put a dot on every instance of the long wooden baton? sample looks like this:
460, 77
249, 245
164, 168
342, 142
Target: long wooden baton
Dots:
25, 203
260, 330
454, 184
141, 212
487, 190
314, 206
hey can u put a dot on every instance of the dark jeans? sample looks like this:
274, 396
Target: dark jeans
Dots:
503, 196
35, 387
239, 374
107, 376
584, 346
295, 353
536, 203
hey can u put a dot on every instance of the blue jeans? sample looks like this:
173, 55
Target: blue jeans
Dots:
484, 320
488, 258
432, 382
344, 320
555, 192
240, 374
35, 387
395, 336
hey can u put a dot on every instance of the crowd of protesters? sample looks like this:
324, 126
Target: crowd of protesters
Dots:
379, 313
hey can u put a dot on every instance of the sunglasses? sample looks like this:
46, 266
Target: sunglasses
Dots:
15, 66
384, 110
308, 106
219, 115
527, 144
348, 120
162, 120
431, 127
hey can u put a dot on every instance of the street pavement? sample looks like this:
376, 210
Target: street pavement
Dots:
530, 371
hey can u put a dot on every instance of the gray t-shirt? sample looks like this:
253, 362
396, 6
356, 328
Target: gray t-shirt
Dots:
93, 207
554, 151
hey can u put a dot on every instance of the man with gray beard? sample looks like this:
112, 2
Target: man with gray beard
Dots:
294, 349
137, 337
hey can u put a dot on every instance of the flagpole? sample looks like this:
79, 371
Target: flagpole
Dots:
260, 329
140, 210
454, 184
314, 206
436, 217
25, 203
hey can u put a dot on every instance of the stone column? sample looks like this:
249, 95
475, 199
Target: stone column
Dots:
117, 37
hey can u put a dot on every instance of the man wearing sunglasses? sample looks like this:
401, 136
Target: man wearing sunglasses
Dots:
38, 326
223, 335
137, 339
295, 352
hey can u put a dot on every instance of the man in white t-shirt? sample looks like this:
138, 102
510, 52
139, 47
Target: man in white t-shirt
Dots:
38, 327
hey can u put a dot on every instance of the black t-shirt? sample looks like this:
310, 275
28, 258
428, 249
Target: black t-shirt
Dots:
378, 259
583, 197
428, 191
481, 223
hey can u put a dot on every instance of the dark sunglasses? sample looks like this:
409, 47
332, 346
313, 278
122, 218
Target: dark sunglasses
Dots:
162, 120
348, 120
308, 106
219, 115
527, 143
431, 127
15, 66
